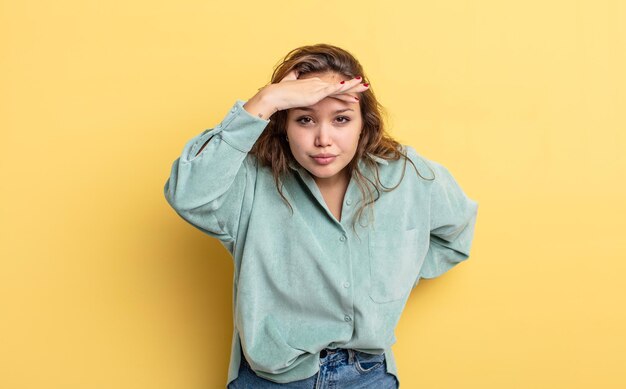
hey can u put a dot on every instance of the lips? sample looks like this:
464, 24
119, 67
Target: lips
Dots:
324, 159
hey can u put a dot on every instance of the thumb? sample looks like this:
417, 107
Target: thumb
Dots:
292, 75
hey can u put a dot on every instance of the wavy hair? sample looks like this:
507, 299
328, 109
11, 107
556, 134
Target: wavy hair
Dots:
272, 149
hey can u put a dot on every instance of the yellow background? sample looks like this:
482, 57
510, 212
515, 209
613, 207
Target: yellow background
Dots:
102, 285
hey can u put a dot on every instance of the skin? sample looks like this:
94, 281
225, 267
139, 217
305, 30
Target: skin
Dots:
321, 130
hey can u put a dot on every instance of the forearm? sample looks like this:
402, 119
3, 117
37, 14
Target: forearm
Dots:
261, 105
201, 177
205, 143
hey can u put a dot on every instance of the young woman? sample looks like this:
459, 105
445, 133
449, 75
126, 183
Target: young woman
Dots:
328, 226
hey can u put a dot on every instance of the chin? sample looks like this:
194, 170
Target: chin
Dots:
320, 171
327, 175
325, 171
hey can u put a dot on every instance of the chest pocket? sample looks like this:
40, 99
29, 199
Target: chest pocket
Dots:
395, 257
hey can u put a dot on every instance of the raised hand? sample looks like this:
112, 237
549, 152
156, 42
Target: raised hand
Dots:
292, 92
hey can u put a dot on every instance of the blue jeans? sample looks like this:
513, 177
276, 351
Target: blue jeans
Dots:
339, 368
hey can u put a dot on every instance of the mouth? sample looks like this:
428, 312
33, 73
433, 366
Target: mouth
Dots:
324, 159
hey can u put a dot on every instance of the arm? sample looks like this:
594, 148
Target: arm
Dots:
212, 182
255, 105
209, 181
452, 221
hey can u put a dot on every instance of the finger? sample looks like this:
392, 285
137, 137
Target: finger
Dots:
292, 75
353, 85
357, 88
348, 98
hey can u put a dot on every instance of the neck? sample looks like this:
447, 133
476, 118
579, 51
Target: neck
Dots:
337, 182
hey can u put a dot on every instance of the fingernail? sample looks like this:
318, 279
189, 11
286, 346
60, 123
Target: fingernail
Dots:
365, 84
358, 77
356, 97
342, 82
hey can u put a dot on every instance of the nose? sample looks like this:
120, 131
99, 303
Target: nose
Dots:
323, 137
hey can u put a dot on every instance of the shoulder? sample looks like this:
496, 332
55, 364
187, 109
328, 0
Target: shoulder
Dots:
444, 186
431, 173
426, 167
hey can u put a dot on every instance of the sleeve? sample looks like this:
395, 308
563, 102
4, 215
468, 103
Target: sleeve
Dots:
208, 189
452, 222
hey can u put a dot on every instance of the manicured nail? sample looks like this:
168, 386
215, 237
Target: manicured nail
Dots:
342, 82
356, 97
358, 77
365, 84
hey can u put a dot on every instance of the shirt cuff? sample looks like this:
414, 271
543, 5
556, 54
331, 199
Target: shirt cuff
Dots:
240, 128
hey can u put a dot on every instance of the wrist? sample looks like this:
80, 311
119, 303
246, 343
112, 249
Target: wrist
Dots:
261, 105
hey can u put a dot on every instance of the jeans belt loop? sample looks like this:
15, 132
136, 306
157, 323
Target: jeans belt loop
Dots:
350, 356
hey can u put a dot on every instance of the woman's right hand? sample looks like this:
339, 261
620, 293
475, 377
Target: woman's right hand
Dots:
292, 92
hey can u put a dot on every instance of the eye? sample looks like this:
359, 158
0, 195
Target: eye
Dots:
306, 119
299, 120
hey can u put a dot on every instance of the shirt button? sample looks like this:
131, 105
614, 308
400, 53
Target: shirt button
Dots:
348, 202
234, 109
342, 238
346, 284
347, 318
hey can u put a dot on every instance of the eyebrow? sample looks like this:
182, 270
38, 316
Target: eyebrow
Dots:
312, 110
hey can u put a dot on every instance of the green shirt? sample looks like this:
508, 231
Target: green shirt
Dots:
306, 281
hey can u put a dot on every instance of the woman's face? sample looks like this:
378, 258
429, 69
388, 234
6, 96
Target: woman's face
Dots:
331, 126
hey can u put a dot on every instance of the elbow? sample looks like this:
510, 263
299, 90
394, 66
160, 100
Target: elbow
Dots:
173, 197
185, 202
170, 195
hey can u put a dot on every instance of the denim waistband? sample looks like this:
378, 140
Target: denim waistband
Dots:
327, 355
336, 355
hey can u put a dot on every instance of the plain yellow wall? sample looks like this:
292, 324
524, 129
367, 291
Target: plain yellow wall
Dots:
102, 285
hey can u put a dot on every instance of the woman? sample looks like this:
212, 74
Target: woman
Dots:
328, 228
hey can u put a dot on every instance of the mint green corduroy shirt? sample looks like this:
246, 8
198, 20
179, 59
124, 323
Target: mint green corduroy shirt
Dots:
306, 281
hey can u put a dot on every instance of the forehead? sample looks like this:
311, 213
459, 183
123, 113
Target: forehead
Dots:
326, 76
329, 105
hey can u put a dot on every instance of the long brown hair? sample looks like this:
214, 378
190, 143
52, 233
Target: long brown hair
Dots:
272, 149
